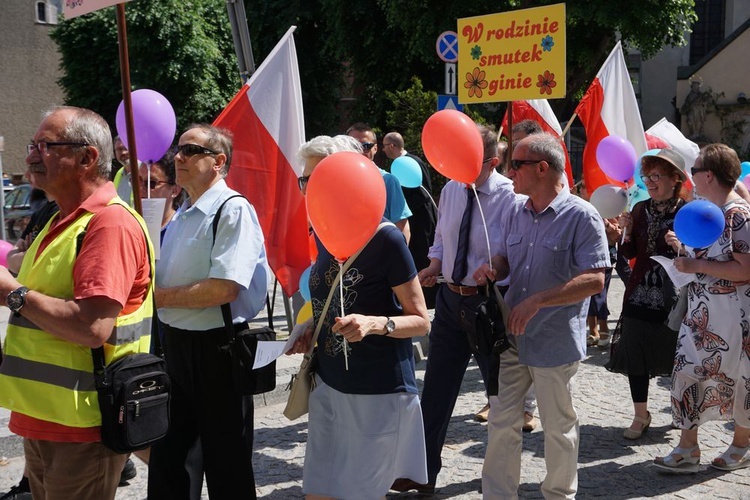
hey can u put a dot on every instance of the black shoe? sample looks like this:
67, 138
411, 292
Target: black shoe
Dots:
403, 485
19, 492
128, 473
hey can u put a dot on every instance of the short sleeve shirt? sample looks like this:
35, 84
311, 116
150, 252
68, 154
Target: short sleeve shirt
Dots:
378, 364
396, 208
189, 255
546, 250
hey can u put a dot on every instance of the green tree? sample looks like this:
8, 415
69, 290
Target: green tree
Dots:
387, 41
181, 49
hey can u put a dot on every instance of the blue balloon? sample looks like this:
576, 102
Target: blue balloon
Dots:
699, 224
636, 194
407, 171
745, 169
304, 284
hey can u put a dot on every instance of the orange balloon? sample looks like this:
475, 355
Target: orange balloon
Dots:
345, 202
453, 145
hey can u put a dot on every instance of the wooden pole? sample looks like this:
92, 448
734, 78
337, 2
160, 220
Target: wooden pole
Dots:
122, 40
567, 127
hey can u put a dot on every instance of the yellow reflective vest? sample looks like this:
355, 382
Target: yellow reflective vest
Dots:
44, 376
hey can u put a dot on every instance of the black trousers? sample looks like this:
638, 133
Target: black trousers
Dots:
205, 407
448, 358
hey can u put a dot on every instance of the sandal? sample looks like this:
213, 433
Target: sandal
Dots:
680, 460
634, 434
592, 340
726, 462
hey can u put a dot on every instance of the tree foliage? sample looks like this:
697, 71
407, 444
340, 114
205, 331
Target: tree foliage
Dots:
182, 49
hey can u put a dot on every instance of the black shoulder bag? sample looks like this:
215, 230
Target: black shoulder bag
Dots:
241, 343
133, 396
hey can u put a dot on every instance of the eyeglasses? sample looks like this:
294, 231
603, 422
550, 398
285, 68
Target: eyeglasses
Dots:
366, 146
152, 183
42, 146
388, 144
486, 160
516, 164
194, 149
694, 170
651, 177
302, 181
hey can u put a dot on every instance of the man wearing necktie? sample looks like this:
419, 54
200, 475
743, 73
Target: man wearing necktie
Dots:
460, 247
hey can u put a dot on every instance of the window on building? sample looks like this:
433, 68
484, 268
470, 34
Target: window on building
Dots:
708, 30
46, 11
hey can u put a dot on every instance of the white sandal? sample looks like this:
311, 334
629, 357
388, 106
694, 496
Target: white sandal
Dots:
680, 460
730, 463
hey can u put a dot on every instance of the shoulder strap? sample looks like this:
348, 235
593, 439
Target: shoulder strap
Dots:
226, 310
342, 270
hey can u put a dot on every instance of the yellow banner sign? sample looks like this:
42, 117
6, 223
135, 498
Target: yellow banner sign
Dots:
512, 55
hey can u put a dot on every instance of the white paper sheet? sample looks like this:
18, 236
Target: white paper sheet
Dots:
153, 211
679, 278
269, 350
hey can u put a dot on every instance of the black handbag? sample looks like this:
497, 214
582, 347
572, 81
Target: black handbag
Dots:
481, 319
241, 343
133, 400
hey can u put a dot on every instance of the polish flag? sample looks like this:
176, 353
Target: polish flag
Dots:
674, 139
267, 122
609, 107
539, 111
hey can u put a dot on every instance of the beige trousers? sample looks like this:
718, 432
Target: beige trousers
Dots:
501, 473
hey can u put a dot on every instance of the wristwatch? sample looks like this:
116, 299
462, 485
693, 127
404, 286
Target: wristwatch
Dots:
17, 299
390, 326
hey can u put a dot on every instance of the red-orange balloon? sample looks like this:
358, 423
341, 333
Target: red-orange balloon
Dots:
345, 202
453, 145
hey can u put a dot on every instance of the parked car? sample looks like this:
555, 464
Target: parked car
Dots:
17, 210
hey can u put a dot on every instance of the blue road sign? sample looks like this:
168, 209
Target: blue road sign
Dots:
447, 46
449, 102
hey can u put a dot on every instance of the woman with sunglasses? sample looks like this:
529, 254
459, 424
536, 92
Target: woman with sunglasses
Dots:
711, 377
159, 181
645, 345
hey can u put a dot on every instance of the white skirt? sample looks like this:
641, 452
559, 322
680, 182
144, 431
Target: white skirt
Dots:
358, 444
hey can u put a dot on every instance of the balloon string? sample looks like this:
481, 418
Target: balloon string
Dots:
628, 194
484, 224
341, 297
148, 182
429, 196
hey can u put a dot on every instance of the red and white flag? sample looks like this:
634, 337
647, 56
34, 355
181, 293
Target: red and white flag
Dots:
267, 122
609, 107
674, 139
541, 112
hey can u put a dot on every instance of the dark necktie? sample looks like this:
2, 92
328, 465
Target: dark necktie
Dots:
460, 264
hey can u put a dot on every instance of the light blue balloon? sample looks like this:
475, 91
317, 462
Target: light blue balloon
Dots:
407, 171
304, 284
745, 169
635, 195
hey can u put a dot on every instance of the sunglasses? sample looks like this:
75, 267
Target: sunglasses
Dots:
151, 184
302, 181
366, 146
694, 170
516, 164
194, 149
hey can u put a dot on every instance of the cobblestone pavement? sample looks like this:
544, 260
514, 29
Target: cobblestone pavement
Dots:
609, 466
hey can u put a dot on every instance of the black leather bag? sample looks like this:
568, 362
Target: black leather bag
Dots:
133, 399
482, 321
241, 347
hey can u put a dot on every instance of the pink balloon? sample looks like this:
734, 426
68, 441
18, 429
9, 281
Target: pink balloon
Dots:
5, 247
453, 145
746, 181
616, 157
154, 122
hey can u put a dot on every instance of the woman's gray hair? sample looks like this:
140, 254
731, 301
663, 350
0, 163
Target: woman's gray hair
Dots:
548, 147
323, 145
86, 126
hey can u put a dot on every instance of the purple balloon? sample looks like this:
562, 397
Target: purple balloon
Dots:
154, 122
616, 157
